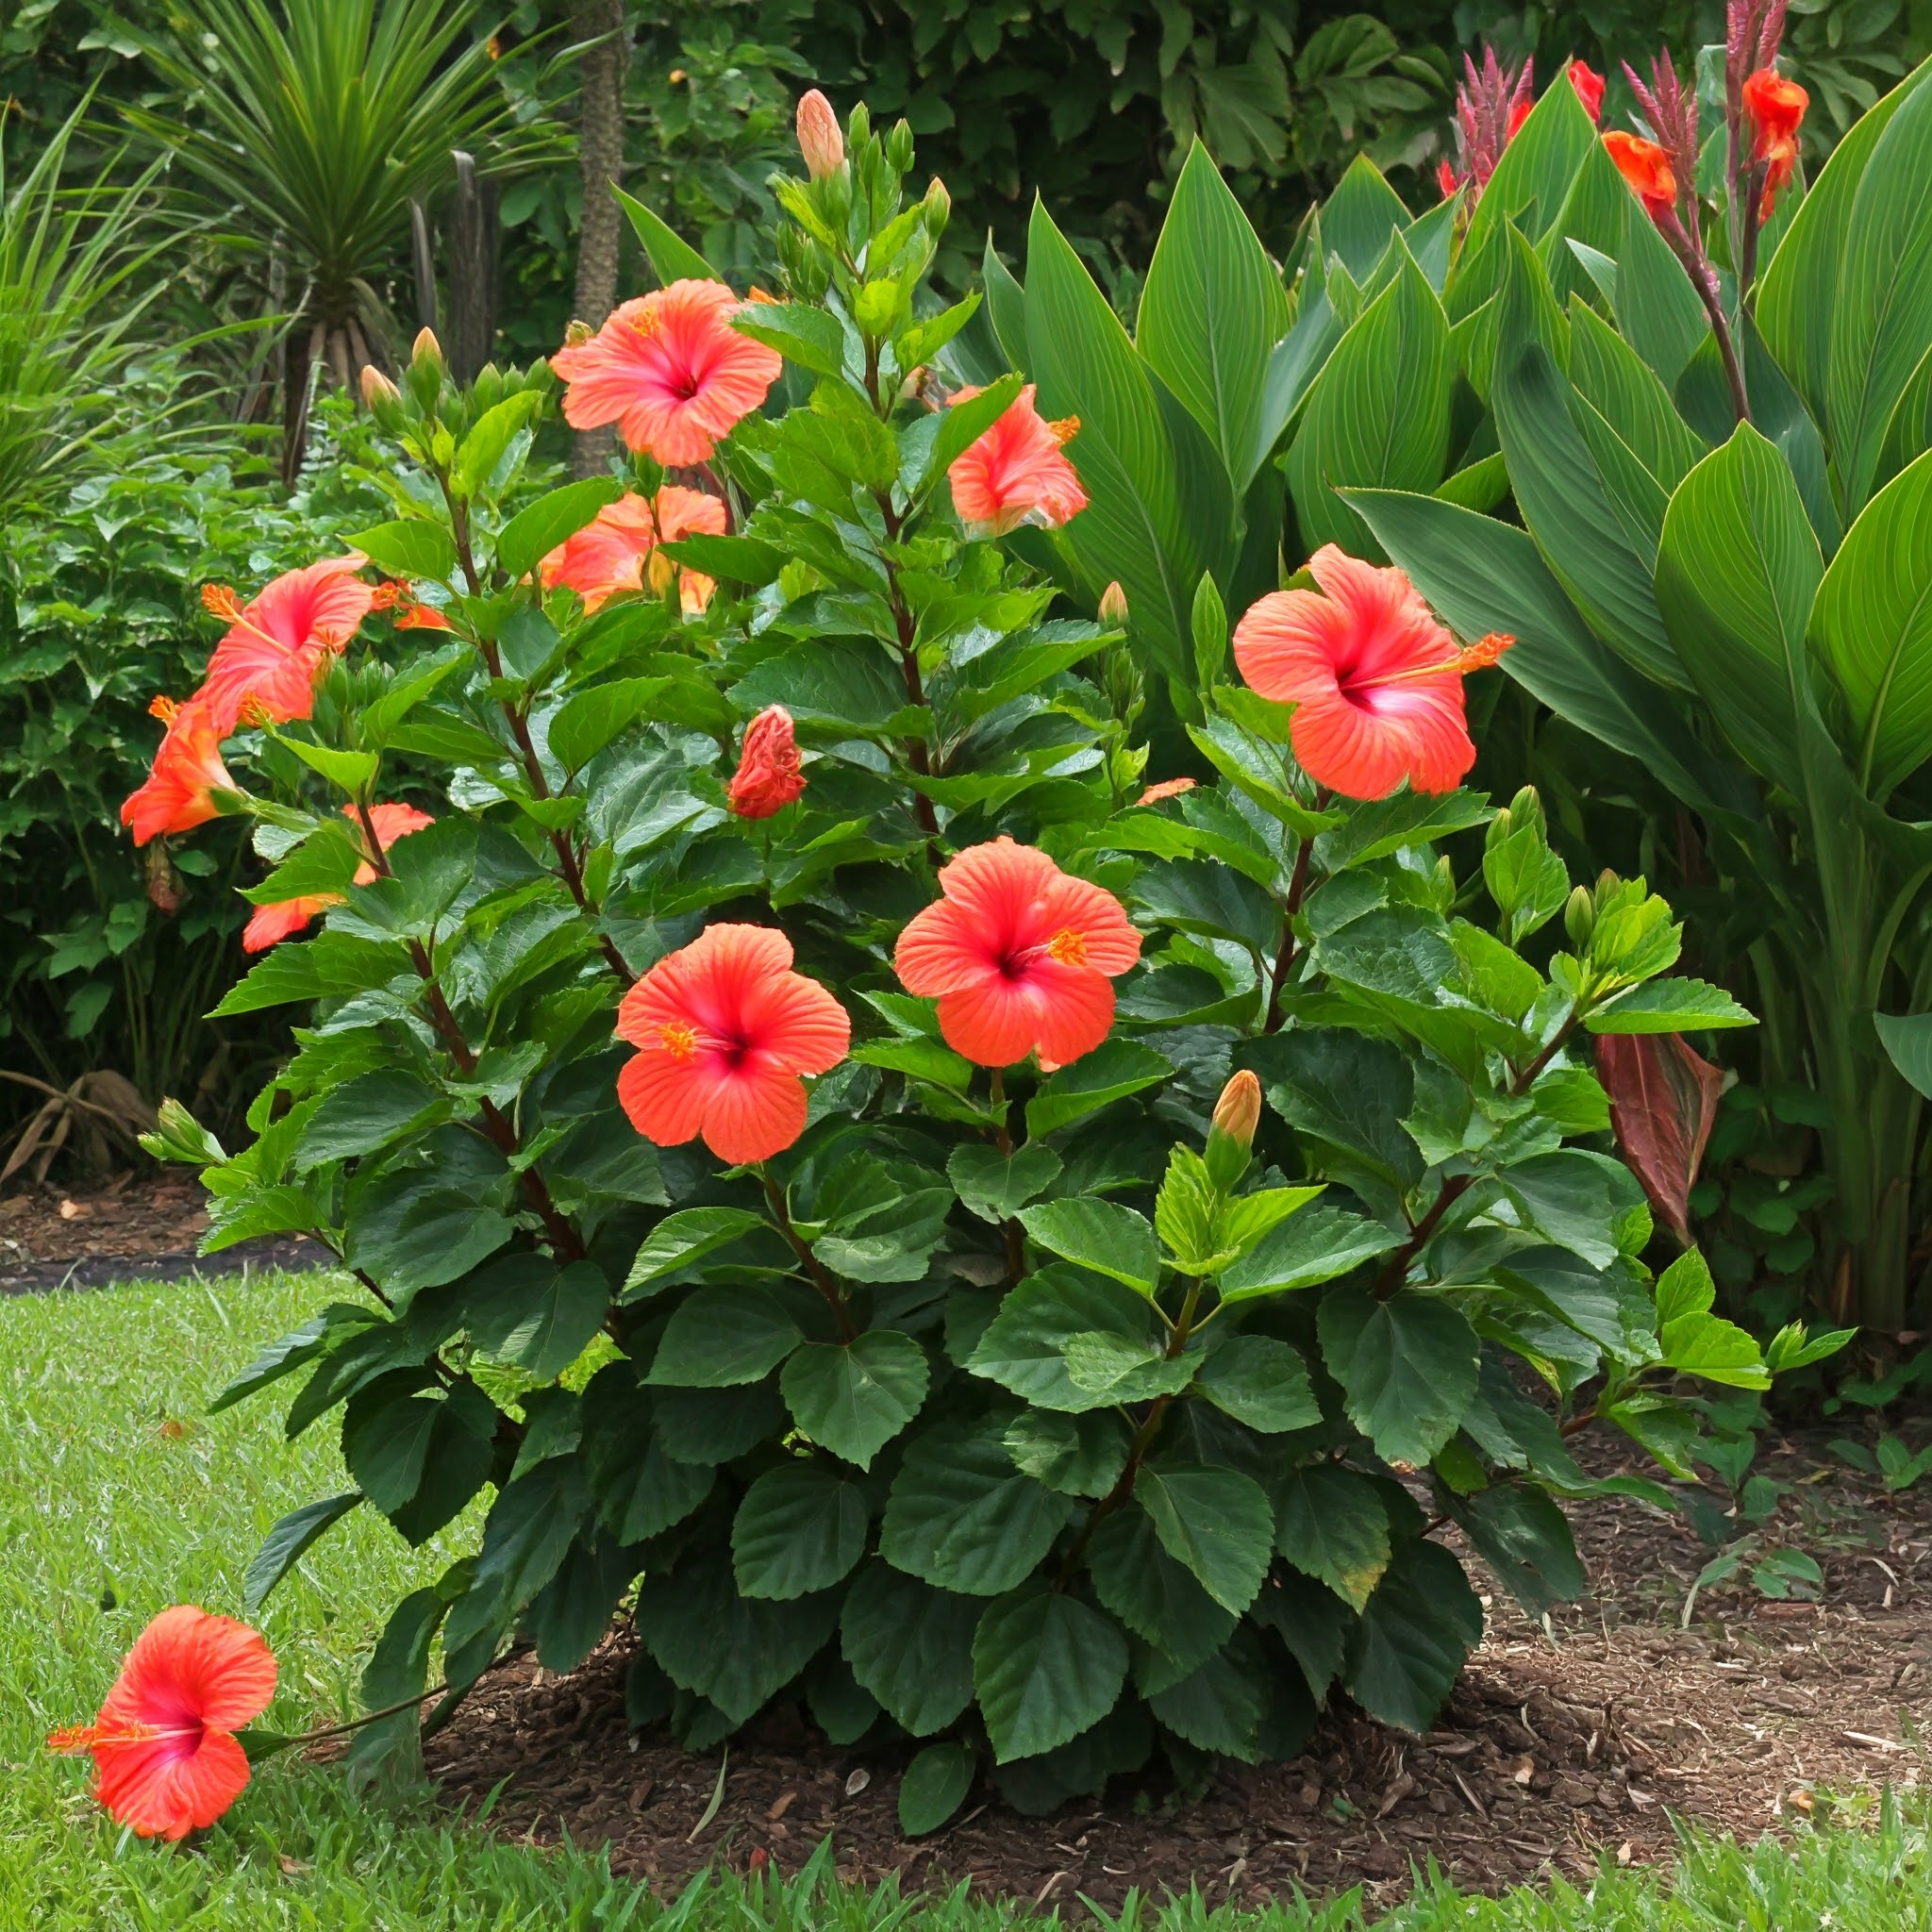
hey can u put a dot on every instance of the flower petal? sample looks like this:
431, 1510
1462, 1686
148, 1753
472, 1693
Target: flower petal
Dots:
755, 1111
993, 1022
190, 1665
1073, 1008
798, 1023
940, 950
1079, 906
664, 1095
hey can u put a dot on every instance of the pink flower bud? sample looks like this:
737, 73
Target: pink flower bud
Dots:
819, 139
1238, 1113
378, 387
768, 777
1113, 604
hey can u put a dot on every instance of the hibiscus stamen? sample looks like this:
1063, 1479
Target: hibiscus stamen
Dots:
1068, 946
220, 601
163, 709
679, 1041
1476, 656
1065, 429
76, 1739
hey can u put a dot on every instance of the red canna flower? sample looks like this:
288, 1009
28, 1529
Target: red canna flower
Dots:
1589, 84
1376, 681
768, 777
613, 553
725, 1028
1015, 474
1777, 107
670, 370
270, 925
1020, 956
187, 773
1445, 178
1168, 788
1647, 169
278, 641
166, 1759
819, 139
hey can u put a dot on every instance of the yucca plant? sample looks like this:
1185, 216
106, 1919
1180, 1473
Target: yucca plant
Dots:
67, 313
311, 126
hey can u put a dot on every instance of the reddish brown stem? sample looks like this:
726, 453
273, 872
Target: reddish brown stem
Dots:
821, 1277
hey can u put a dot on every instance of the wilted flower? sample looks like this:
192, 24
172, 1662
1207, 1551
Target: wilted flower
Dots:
725, 1028
819, 139
1168, 788
768, 777
166, 1758
1376, 681
670, 370
1020, 953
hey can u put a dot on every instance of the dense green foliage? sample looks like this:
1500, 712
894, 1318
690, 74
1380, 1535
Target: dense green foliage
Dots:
111, 1519
1026, 1416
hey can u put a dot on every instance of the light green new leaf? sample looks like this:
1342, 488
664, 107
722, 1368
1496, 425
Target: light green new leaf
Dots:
1100, 1234
1669, 1005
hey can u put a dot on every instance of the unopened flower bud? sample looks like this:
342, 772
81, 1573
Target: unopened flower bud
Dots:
425, 348
378, 387
937, 209
899, 147
819, 140
1231, 1137
858, 128
1579, 918
1113, 604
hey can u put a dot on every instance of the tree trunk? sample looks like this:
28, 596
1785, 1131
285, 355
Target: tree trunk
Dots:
600, 154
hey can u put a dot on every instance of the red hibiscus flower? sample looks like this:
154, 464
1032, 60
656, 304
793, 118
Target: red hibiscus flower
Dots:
615, 550
1647, 168
1589, 84
166, 1758
724, 1029
1376, 681
1016, 474
187, 773
670, 370
1777, 107
278, 641
1020, 956
270, 925
768, 777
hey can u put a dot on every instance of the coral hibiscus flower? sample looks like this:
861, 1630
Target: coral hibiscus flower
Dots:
768, 777
270, 925
724, 1029
166, 1758
187, 773
614, 552
1376, 681
670, 370
1647, 169
1020, 955
280, 638
1016, 472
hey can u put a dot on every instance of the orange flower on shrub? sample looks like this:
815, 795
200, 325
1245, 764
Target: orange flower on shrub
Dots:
1777, 107
278, 641
613, 552
1589, 84
1647, 169
1020, 955
187, 773
670, 370
1016, 472
768, 777
1168, 788
1376, 681
166, 1758
270, 925
725, 1028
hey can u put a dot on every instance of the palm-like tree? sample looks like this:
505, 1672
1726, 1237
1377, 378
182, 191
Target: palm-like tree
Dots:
311, 126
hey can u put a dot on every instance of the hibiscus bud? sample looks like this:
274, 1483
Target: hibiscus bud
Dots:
1113, 604
1231, 1137
819, 140
425, 370
163, 882
426, 347
858, 128
899, 148
378, 387
936, 210
1579, 918
768, 777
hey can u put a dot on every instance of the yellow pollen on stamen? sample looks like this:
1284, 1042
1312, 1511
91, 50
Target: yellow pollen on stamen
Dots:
679, 1041
1065, 429
1068, 946
646, 323
1476, 656
79, 1738
220, 601
163, 709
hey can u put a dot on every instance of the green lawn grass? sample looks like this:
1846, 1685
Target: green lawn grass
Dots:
119, 1497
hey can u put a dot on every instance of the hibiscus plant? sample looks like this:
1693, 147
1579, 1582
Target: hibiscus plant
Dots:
836, 1158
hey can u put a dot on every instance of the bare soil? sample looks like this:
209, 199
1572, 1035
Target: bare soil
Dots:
1561, 1744
136, 1227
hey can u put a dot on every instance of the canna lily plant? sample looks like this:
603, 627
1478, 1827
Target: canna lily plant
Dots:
915, 1211
1633, 397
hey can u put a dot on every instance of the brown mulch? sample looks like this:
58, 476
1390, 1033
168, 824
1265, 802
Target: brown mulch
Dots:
132, 1227
1556, 1748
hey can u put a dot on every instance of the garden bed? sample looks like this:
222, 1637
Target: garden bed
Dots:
1549, 1754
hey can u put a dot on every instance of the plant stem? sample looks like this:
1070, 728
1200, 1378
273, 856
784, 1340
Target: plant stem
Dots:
1297, 890
820, 1276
